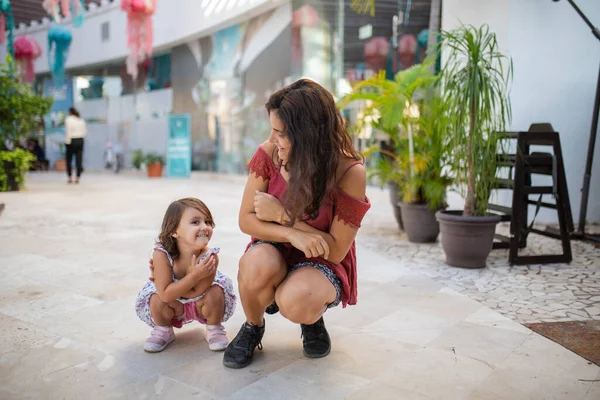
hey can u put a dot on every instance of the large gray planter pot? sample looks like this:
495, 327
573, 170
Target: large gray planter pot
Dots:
420, 223
395, 199
467, 241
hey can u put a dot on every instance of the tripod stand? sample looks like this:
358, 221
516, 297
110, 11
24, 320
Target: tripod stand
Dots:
585, 190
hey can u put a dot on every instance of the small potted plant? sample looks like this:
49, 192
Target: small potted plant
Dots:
137, 159
476, 80
154, 164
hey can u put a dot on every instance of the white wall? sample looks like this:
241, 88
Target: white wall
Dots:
556, 60
175, 22
120, 113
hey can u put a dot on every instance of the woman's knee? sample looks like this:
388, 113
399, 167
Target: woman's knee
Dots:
299, 303
260, 266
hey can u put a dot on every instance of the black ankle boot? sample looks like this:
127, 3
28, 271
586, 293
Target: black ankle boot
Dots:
315, 339
273, 308
239, 352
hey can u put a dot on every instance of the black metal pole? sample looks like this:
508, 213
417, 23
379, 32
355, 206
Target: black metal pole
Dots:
585, 190
595, 30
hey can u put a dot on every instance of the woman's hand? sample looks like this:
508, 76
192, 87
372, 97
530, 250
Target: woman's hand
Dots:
311, 244
268, 208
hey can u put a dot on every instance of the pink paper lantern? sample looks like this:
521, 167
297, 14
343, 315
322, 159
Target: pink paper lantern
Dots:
305, 16
52, 7
27, 50
67, 7
375, 52
139, 32
407, 48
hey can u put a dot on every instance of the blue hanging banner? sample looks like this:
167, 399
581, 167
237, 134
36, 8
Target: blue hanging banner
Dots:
179, 146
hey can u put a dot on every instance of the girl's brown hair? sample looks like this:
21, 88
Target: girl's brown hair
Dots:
173, 217
318, 137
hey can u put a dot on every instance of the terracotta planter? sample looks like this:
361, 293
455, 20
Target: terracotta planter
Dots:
467, 241
420, 223
60, 165
154, 170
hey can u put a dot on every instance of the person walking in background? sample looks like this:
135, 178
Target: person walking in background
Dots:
75, 131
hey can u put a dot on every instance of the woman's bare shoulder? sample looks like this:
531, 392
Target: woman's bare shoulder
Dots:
270, 149
352, 177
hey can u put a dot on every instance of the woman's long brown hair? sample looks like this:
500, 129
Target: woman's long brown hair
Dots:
318, 138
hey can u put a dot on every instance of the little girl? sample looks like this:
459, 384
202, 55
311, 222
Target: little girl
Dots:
186, 285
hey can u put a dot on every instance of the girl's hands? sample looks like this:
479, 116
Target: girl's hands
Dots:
206, 267
212, 254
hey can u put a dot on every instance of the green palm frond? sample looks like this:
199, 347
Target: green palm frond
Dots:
421, 178
476, 93
363, 7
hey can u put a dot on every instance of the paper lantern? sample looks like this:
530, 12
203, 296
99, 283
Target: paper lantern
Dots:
7, 22
75, 9
375, 52
52, 7
68, 8
139, 32
130, 84
27, 50
305, 16
407, 48
59, 41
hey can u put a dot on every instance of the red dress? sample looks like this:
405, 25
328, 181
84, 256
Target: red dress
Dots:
348, 209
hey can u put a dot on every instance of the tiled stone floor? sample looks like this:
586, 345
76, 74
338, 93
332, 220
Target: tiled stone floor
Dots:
527, 294
72, 259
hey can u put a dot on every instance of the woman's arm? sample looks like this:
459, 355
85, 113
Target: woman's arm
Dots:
341, 235
354, 184
310, 244
249, 223
168, 290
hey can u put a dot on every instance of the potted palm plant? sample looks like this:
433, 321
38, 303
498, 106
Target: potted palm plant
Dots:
426, 183
475, 80
385, 165
407, 108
